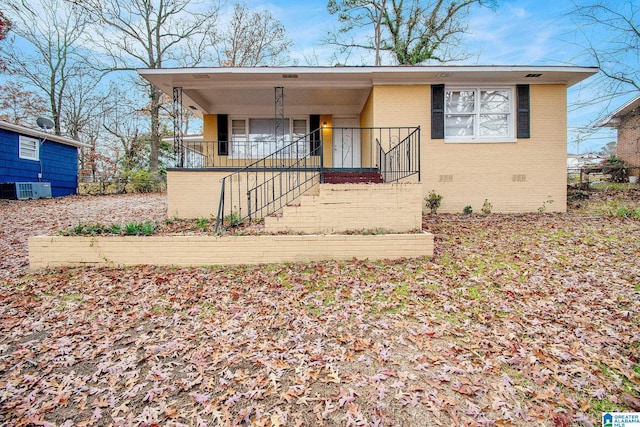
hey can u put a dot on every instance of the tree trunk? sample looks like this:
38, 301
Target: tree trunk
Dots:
155, 131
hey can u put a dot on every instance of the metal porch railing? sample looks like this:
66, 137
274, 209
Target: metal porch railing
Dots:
402, 160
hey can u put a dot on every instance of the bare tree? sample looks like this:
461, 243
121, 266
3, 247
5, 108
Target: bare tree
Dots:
20, 106
82, 113
55, 57
5, 26
83, 104
124, 141
353, 14
253, 37
619, 55
411, 32
151, 34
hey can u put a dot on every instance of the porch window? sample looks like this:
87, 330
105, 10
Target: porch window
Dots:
29, 148
479, 115
255, 138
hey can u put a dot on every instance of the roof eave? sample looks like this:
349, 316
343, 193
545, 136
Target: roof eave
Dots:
570, 75
42, 135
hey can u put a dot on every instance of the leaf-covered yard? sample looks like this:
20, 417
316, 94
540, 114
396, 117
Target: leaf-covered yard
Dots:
517, 320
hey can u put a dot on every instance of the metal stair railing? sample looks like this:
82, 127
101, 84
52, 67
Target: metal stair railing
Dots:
267, 185
402, 160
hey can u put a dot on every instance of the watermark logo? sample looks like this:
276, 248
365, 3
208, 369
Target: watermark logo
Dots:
621, 419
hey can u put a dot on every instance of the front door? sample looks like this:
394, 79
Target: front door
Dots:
346, 143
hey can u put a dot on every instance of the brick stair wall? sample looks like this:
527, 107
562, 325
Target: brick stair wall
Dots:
339, 208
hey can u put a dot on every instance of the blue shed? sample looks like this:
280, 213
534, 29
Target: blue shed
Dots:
37, 161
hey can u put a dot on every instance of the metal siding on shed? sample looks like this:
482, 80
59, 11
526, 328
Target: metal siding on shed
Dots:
15, 169
60, 167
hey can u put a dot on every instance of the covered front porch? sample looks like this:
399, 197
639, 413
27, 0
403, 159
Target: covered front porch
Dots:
270, 136
250, 190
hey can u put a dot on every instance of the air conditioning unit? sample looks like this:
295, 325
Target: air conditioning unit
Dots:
25, 190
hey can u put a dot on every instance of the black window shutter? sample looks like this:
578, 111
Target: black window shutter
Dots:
223, 135
523, 124
437, 111
314, 126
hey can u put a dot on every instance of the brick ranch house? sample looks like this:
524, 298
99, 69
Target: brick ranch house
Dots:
294, 145
626, 120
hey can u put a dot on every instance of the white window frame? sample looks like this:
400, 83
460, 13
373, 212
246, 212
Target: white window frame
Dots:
476, 138
245, 138
29, 148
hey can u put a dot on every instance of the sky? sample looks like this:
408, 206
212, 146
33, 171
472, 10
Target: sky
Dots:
517, 32
522, 32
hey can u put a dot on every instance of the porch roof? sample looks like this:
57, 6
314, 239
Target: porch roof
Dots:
332, 90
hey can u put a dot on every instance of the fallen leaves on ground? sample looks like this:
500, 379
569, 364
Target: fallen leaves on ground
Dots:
517, 320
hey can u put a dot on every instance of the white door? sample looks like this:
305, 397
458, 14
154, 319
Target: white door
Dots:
346, 143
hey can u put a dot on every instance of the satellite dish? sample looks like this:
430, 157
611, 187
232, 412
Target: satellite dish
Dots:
44, 123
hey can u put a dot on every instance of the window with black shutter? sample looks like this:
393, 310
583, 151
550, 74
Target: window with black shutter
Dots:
437, 111
523, 113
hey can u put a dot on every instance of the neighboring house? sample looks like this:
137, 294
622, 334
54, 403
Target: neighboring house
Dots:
468, 132
577, 161
627, 122
29, 156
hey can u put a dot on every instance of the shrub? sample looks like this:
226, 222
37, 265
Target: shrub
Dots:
433, 201
468, 210
617, 169
233, 220
142, 182
578, 195
486, 207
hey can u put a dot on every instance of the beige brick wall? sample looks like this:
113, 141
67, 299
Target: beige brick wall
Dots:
351, 207
196, 194
193, 194
61, 251
514, 177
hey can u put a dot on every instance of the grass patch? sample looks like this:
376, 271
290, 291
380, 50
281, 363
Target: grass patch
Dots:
626, 384
624, 212
603, 405
604, 186
402, 290
474, 293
